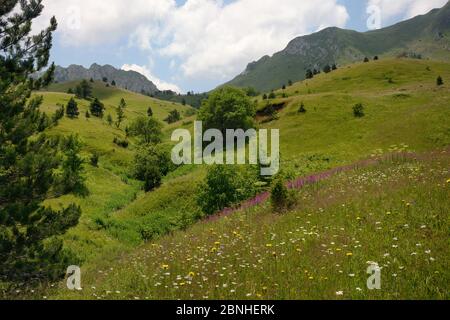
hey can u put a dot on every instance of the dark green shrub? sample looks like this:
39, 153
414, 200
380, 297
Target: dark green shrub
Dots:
358, 110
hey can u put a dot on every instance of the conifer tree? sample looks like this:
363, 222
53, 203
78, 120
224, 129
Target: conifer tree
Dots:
72, 108
29, 243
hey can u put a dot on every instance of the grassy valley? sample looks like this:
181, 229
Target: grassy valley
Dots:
392, 209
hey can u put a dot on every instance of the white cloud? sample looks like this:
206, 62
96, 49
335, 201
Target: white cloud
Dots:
406, 8
162, 85
209, 39
217, 41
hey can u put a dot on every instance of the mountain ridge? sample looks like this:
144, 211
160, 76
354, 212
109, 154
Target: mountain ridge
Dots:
424, 35
129, 80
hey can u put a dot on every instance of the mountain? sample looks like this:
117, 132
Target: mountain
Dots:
426, 36
129, 80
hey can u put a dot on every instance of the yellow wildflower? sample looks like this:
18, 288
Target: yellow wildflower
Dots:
349, 254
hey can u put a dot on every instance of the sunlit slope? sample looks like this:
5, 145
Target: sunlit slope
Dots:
402, 106
111, 184
404, 109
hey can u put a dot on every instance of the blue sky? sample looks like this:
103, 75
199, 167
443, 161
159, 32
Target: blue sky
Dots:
199, 44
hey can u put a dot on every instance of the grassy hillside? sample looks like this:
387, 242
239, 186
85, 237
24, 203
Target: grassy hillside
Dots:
319, 248
111, 185
427, 36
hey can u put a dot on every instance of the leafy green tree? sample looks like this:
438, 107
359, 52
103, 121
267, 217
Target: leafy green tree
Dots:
30, 247
72, 108
174, 116
334, 67
439, 81
149, 130
327, 69
366, 59
264, 96
150, 165
272, 95
225, 186
227, 108
309, 74
97, 108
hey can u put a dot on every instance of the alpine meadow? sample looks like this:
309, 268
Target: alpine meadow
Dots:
356, 124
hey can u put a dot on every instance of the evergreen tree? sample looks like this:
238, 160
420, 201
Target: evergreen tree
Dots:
97, 108
72, 109
29, 243
302, 108
150, 112
366, 59
309, 74
334, 66
113, 83
83, 90
327, 69
120, 115
439, 81
109, 119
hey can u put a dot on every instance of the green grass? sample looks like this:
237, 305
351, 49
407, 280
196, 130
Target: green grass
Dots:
394, 213
407, 113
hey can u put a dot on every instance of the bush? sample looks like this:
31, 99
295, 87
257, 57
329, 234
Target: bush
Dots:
149, 130
358, 110
225, 186
302, 108
279, 196
94, 159
174, 116
150, 165
121, 143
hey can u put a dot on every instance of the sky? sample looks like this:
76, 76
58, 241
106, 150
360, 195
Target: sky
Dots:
196, 45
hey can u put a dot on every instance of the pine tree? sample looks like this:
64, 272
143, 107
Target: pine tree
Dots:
29, 243
309, 74
302, 108
72, 109
97, 108
150, 112
327, 69
83, 90
439, 81
120, 115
